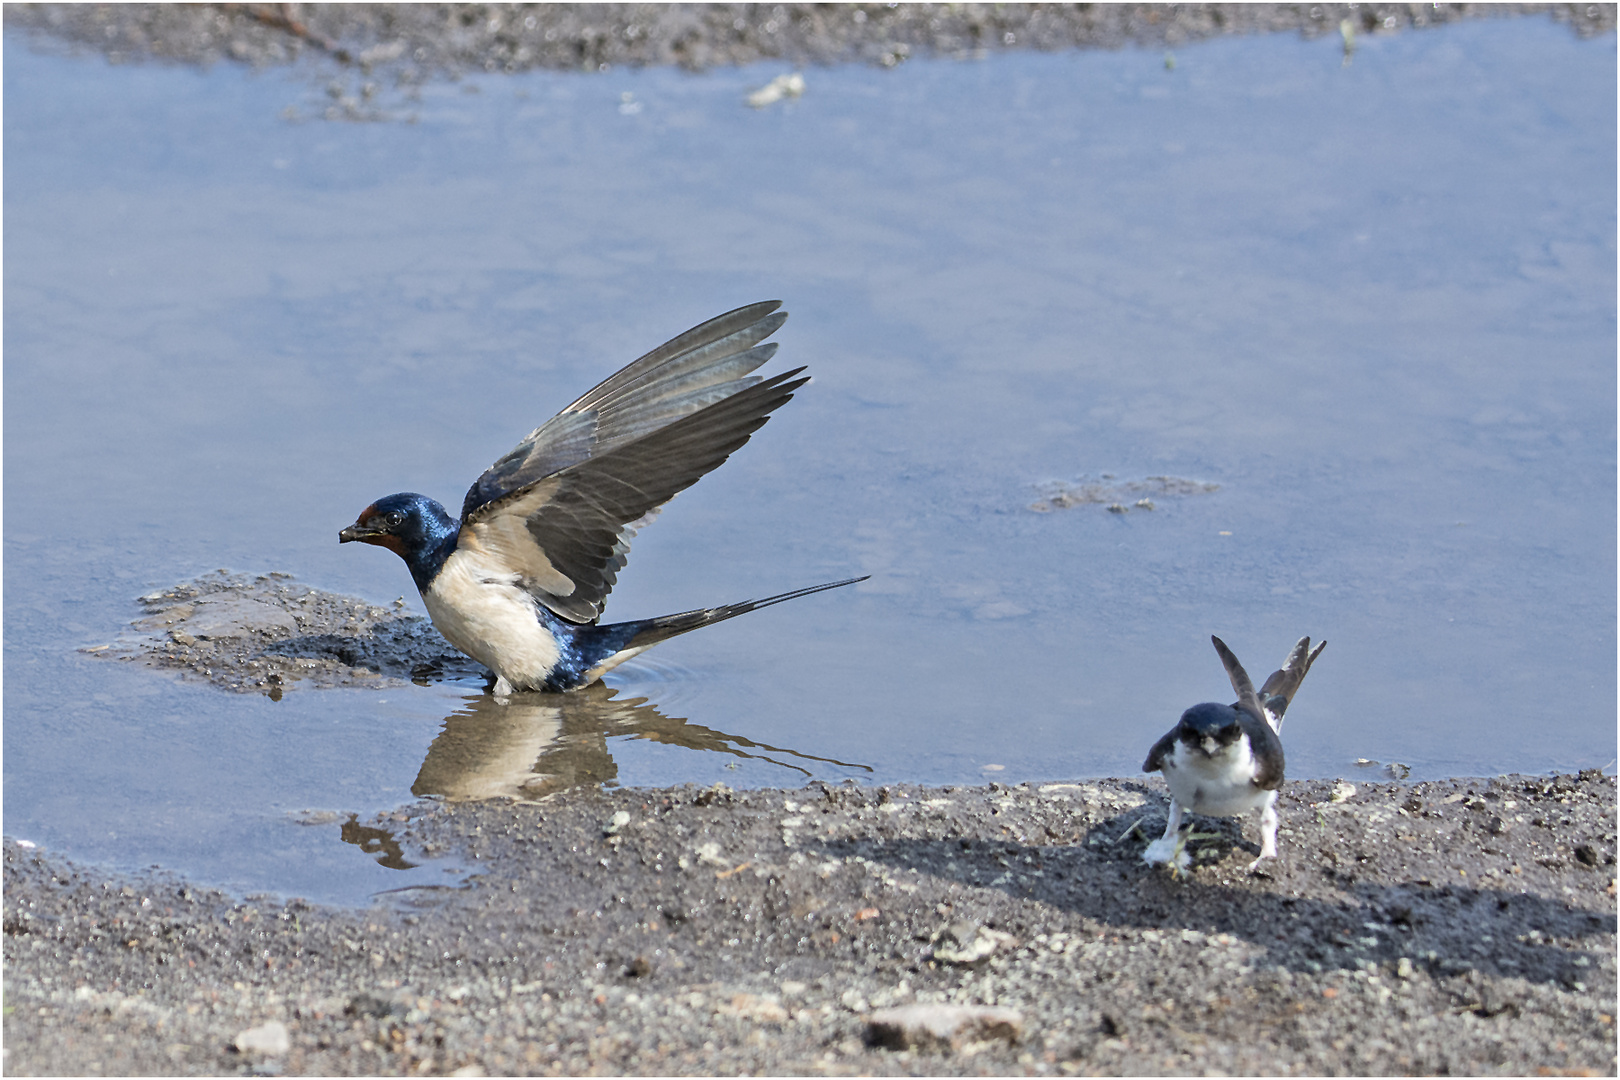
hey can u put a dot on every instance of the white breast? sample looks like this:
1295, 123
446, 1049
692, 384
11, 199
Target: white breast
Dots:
481, 610
1218, 786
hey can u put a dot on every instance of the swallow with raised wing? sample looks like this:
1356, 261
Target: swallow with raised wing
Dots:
519, 580
1224, 760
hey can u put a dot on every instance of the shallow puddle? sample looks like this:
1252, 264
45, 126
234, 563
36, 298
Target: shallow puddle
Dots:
1347, 331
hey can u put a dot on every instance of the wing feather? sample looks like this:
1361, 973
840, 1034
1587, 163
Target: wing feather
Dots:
1284, 683
1261, 729
1241, 684
1266, 747
567, 534
684, 375
734, 331
1161, 751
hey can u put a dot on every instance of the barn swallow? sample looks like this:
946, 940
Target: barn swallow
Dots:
519, 581
1222, 760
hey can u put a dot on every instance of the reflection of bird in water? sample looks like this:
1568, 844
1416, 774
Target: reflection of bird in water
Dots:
533, 744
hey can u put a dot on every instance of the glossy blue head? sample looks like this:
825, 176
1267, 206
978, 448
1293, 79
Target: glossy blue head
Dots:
412, 526
1210, 727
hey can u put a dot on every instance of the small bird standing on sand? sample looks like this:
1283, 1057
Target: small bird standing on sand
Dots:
519, 582
1222, 760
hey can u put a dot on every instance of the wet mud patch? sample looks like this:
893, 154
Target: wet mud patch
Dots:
1115, 495
268, 633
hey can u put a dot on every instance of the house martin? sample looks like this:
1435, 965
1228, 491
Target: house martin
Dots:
1224, 760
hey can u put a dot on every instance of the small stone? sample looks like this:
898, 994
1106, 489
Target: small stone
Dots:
373, 1006
966, 943
1587, 854
1403, 967
942, 1027
267, 1040
619, 821
1342, 792
762, 1009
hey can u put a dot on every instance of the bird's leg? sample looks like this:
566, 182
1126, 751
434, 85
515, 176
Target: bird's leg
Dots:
1268, 831
1166, 849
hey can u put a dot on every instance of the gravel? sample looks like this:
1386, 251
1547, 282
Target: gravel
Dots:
407, 43
1464, 926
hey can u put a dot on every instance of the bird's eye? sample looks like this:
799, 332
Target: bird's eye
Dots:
394, 519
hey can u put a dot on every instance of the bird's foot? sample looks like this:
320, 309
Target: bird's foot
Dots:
1254, 867
1168, 849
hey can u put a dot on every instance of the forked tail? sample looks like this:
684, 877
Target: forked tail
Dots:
615, 644
653, 631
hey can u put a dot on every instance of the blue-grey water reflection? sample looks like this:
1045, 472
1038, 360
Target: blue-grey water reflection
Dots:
1375, 304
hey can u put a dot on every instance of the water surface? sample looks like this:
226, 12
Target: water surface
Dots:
1374, 304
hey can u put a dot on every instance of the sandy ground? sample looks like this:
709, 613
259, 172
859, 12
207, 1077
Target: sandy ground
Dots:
1461, 927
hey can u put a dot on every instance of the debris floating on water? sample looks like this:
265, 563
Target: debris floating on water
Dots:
783, 86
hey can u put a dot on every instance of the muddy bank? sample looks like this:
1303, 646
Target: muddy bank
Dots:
1461, 927
268, 634
410, 42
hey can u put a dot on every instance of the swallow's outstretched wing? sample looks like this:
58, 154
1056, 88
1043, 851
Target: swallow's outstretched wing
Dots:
559, 510
1284, 683
1247, 700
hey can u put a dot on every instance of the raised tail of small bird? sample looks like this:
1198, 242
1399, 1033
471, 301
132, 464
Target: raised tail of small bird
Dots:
620, 641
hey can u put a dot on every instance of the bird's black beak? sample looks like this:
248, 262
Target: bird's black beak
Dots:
356, 531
